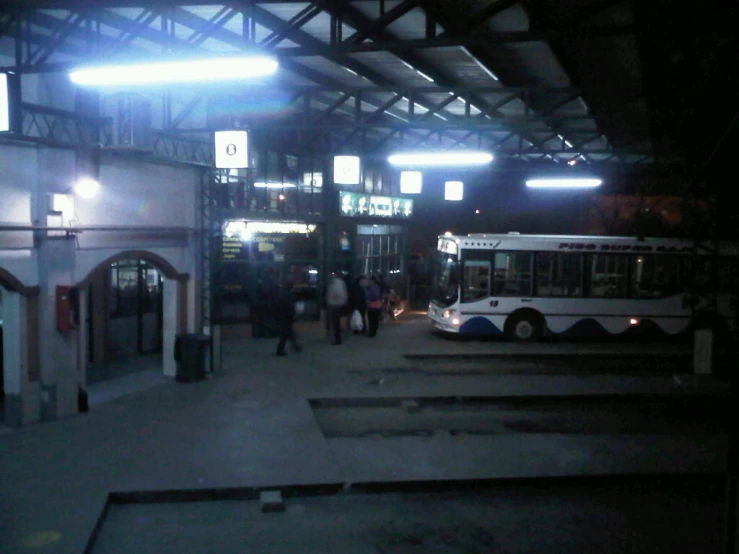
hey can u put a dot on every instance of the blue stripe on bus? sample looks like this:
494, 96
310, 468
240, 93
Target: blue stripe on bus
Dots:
589, 315
479, 326
584, 328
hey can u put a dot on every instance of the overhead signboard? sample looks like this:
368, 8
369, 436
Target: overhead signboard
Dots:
232, 150
352, 204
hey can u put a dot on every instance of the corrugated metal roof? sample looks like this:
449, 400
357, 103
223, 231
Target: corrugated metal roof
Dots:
558, 63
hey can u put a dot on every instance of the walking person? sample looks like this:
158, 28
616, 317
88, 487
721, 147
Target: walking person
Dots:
284, 314
336, 299
358, 302
374, 305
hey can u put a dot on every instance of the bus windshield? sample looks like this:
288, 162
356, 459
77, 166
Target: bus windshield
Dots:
446, 281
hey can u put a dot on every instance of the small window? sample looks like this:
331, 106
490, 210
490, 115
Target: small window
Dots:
512, 274
558, 274
654, 276
608, 276
476, 281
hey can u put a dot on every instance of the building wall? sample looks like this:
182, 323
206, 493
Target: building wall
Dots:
132, 193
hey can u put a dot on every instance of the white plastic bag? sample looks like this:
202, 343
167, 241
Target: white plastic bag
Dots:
356, 322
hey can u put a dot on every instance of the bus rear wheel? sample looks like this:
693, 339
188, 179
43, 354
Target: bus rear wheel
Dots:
524, 327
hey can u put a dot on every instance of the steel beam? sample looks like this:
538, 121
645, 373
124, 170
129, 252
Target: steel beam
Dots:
380, 24
65, 29
186, 111
218, 21
446, 41
295, 23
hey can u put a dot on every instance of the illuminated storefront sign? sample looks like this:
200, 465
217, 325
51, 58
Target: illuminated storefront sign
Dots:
352, 204
266, 240
245, 229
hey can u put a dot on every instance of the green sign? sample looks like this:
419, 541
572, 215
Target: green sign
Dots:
352, 204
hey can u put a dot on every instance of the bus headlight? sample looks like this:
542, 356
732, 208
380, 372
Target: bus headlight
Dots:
455, 321
446, 314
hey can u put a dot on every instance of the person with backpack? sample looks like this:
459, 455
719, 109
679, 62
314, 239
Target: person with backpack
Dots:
337, 297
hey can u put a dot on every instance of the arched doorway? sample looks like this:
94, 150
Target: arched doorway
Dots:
132, 305
125, 314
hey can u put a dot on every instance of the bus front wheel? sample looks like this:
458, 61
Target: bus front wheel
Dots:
524, 327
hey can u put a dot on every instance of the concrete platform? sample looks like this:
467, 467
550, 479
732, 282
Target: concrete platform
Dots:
251, 426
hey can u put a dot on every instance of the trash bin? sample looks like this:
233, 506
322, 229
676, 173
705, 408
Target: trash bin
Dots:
189, 352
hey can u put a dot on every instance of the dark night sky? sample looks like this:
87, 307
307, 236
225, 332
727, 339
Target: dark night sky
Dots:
504, 202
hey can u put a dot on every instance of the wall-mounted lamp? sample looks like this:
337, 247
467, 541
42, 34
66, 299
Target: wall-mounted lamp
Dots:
86, 187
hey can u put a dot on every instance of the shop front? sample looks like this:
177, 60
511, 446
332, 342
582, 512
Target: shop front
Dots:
372, 238
255, 259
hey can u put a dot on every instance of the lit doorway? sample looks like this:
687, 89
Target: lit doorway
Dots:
125, 315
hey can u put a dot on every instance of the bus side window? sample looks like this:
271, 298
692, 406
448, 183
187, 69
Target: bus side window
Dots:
608, 275
476, 280
513, 274
654, 276
558, 274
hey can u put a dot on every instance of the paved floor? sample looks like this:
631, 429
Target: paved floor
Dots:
251, 425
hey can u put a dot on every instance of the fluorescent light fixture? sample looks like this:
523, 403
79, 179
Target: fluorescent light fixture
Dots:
563, 183
232, 149
346, 170
268, 185
453, 190
87, 188
182, 71
411, 182
4, 103
422, 74
441, 158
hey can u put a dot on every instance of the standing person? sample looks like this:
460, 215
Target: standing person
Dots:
358, 301
385, 291
284, 314
374, 305
336, 298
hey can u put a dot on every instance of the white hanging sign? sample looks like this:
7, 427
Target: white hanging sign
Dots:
453, 190
231, 150
411, 182
346, 170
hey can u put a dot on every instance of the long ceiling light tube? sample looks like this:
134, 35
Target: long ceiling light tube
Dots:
440, 158
179, 71
563, 183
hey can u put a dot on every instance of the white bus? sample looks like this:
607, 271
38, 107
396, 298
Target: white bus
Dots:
528, 286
